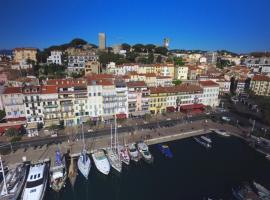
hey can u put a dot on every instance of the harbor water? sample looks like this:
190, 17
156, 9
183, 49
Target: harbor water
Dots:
194, 172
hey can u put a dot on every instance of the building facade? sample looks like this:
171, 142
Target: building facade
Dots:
23, 54
55, 58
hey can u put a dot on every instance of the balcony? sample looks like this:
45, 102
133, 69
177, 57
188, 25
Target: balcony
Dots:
51, 106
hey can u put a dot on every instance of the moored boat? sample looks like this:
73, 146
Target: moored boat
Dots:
133, 152
36, 183
262, 191
114, 159
72, 172
58, 172
101, 161
244, 192
13, 182
165, 150
124, 156
222, 133
144, 151
84, 164
202, 142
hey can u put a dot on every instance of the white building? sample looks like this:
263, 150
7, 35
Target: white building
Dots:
33, 104
181, 72
95, 99
121, 99
224, 86
13, 102
210, 93
55, 58
123, 69
76, 63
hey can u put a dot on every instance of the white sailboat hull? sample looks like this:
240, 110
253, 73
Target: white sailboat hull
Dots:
84, 167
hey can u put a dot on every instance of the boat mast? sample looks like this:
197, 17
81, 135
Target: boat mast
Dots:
115, 125
5, 191
111, 137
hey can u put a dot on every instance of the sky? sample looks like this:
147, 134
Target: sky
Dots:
236, 25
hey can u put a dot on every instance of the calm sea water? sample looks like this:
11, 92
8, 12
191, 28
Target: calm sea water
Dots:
193, 173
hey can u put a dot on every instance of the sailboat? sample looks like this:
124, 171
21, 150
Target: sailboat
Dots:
112, 152
84, 163
72, 172
13, 182
124, 155
58, 172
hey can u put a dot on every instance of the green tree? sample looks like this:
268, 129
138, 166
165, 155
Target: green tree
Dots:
126, 47
150, 58
176, 82
131, 56
138, 48
12, 132
147, 117
178, 61
2, 114
150, 48
161, 50
77, 42
159, 59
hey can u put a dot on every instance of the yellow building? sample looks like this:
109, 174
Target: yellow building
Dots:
92, 67
260, 85
166, 69
181, 72
164, 99
23, 54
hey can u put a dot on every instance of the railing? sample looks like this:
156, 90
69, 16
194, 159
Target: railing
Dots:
51, 106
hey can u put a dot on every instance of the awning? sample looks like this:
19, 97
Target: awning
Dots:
121, 116
192, 106
16, 119
139, 113
170, 109
108, 117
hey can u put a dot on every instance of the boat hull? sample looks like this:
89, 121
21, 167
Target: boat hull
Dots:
84, 167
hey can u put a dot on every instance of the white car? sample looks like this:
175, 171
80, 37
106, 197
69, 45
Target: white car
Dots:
90, 130
227, 119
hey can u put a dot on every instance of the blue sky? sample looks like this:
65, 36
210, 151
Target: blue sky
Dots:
236, 25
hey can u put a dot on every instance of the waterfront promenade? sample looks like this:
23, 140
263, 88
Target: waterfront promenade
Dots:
152, 136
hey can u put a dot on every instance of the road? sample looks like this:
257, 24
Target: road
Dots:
41, 141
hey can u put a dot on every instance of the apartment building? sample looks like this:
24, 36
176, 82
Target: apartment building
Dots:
260, 85
181, 72
21, 55
55, 58
138, 97
92, 67
210, 93
13, 102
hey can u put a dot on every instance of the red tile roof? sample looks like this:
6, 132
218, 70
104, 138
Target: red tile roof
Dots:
13, 90
67, 82
261, 78
183, 88
208, 83
49, 89
136, 84
102, 82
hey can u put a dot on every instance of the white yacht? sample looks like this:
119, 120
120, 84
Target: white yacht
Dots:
36, 182
143, 149
114, 159
101, 161
58, 172
13, 182
222, 133
133, 152
207, 139
84, 164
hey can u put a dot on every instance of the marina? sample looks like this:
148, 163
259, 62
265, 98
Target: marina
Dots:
105, 159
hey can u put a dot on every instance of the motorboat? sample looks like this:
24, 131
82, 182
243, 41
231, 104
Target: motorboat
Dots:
101, 161
202, 142
206, 139
165, 150
72, 172
124, 156
114, 159
58, 172
144, 151
84, 164
13, 182
36, 183
244, 192
222, 133
133, 152
262, 191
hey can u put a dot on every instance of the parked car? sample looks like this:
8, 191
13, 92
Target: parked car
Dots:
224, 118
